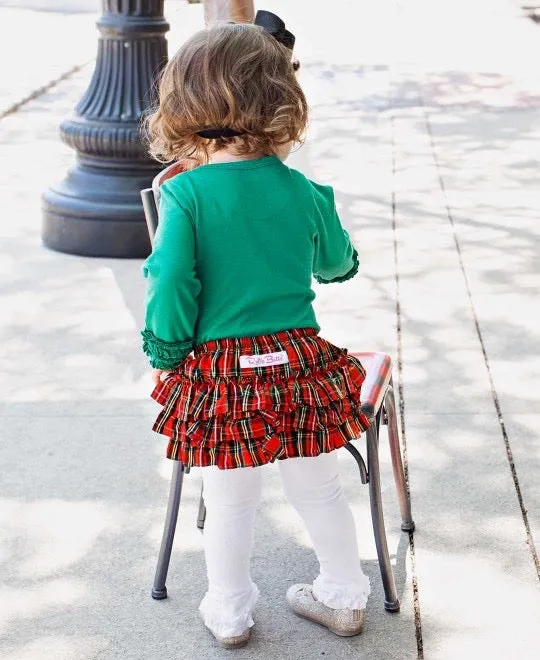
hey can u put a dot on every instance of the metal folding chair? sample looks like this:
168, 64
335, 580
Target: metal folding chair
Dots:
378, 404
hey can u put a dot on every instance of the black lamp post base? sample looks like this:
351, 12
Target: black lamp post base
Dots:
96, 212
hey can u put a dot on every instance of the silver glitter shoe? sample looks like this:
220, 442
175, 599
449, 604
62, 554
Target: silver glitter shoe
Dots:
235, 642
345, 623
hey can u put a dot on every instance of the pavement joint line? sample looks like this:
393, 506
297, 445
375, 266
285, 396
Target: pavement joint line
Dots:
401, 403
15, 107
508, 448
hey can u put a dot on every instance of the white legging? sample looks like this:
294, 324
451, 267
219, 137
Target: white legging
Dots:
313, 487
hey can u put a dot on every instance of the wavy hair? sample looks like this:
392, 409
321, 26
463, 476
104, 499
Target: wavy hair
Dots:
234, 76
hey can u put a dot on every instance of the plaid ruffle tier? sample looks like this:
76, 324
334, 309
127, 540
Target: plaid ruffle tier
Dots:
217, 413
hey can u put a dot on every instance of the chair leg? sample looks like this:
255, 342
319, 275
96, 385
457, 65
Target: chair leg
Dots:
359, 461
201, 515
159, 590
391, 600
407, 523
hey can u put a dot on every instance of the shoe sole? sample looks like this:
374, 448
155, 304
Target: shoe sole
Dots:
341, 633
234, 645
231, 642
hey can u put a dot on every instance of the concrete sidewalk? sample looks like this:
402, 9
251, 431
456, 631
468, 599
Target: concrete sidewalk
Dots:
427, 123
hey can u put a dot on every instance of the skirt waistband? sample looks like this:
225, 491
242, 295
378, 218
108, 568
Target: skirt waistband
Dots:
300, 350
262, 343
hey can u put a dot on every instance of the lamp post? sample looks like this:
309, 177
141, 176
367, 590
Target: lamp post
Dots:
96, 210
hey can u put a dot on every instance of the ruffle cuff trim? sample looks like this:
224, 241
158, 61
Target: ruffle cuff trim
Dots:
341, 597
164, 354
343, 278
228, 617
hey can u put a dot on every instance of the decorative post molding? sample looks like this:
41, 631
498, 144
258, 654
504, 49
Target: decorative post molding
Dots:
96, 210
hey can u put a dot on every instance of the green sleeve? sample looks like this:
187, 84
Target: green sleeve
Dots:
172, 286
335, 258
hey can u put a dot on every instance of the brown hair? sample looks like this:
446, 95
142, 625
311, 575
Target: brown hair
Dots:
234, 76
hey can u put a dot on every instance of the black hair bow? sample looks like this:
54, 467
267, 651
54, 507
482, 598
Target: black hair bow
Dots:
276, 27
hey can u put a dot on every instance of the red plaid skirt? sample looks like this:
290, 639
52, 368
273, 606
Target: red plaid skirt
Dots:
216, 412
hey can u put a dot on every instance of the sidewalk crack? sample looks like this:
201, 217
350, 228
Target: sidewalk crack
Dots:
401, 402
15, 107
494, 395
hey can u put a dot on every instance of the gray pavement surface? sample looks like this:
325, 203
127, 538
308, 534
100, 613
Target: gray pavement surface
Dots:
426, 120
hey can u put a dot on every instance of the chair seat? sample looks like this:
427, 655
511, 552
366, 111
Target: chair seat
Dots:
378, 368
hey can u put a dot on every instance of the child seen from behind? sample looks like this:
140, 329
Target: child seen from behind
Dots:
243, 377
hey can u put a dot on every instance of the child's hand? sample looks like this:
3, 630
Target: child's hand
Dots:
158, 375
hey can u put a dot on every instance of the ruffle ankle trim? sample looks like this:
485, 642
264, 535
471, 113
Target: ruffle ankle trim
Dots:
164, 354
228, 617
341, 597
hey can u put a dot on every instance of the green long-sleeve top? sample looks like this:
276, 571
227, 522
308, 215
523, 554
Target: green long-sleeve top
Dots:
234, 254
